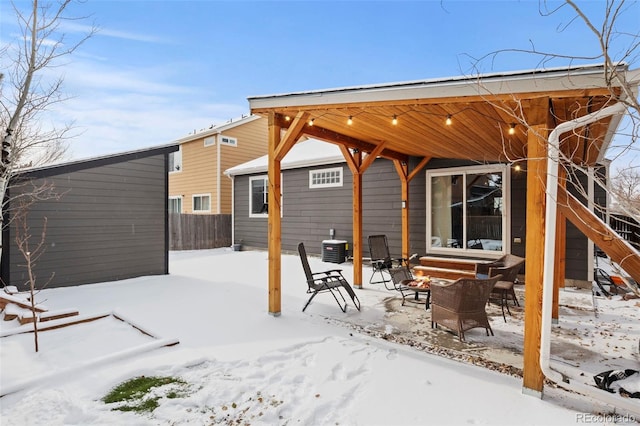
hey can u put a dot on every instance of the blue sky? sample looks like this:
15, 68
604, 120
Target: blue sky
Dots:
158, 70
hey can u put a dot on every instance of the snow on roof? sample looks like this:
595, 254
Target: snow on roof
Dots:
310, 152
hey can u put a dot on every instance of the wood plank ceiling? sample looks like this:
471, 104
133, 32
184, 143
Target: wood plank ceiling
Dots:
478, 131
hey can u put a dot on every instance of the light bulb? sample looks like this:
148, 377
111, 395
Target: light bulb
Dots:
311, 122
512, 129
395, 120
350, 120
448, 120
287, 118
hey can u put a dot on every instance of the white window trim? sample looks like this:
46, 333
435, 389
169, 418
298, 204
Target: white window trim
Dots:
266, 178
193, 197
209, 141
231, 138
178, 197
506, 211
327, 170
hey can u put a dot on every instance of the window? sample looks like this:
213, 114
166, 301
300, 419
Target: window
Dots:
202, 203
175, 161
324, 178
468, 209
210, 141
258, 196
175, 204
228, 140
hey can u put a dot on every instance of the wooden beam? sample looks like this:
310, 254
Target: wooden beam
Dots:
340, 139
371, 157
419, 167
533, 378
357, 222
619, 250
291, 136
559, 271
274, 230
402, 169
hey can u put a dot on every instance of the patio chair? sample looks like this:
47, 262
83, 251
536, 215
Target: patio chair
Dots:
460, 305
405, 283
508, 266
381, 261
327, 281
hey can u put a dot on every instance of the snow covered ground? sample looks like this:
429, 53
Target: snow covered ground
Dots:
323, 366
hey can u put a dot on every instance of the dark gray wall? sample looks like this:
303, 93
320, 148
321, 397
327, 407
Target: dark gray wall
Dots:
308, 214
109, 224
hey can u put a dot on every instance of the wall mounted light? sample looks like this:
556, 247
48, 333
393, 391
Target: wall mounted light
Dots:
404, 204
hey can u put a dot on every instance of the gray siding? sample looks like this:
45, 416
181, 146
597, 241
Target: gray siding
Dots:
109, 224
308, 214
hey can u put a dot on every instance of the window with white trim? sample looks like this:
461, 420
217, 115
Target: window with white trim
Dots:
201, 203
210, 141
325, 178
228, 140
175, 160
258, 196
175, 204
468, 209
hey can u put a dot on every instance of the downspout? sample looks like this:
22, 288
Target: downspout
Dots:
554, 373
218, 190
233, 209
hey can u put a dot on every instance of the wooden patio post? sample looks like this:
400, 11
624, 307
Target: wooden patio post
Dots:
274, 230
402, 168
559, 273
357, 221
533, 378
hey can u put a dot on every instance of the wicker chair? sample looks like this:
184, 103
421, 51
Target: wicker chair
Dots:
460, 305
508, 266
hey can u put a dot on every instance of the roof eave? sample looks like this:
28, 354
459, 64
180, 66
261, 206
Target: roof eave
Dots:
557, 79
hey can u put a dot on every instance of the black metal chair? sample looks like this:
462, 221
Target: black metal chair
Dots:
326, 281
382, 262
405, 283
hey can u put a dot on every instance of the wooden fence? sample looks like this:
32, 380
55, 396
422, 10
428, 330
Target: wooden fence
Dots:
199, 231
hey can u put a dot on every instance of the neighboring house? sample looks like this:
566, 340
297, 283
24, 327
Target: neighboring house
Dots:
317, 198
196, 180
108, 222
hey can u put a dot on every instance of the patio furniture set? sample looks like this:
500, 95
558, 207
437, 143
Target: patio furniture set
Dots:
459, 305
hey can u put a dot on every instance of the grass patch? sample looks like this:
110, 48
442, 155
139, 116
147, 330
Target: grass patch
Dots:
141, 394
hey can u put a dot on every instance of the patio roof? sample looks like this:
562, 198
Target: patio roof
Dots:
482, 108
400, 120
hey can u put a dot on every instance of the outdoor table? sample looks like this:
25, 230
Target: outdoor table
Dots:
420, 285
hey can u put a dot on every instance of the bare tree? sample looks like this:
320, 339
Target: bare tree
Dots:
27, 91
625, 186
612, 46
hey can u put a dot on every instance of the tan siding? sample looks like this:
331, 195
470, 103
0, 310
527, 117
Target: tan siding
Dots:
199, 165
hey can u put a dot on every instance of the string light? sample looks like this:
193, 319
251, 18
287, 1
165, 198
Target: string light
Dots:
311, 122
517, 168
448, 120
350, 120
395, 120
512, 129
287, 118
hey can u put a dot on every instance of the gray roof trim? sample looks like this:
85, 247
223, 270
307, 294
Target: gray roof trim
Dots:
77, 165
553, 79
